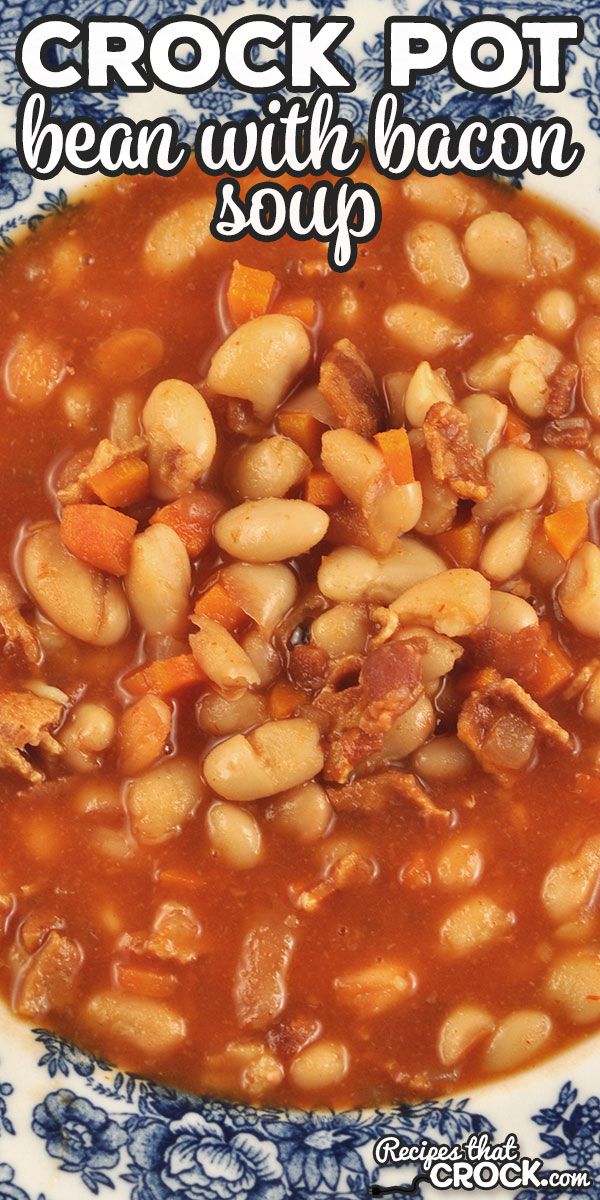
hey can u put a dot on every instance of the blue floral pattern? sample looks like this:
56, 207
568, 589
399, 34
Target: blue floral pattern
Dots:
108, 1130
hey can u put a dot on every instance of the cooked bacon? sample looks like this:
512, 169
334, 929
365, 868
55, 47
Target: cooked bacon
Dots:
511, 654
578, 684
18, 633
376, 792
288, 1037
105, 455
348, 385
354, 721
562, 389
24, 721
47, 983
570, 432
351, 870
176, 935
500, 723
308, 667
455, 459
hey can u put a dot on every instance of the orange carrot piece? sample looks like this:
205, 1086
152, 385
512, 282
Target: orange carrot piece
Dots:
123, 484
463, 544
567, 528
284, 699
99, 536
302, 428
166, 676
145, 981
321, 489
217, 604
304, 308
397, 454
180, 877
192, 517
553, 667
249, 293
515, 429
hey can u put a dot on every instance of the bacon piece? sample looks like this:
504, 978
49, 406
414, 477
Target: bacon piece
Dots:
176, 935
513, 654
105, 455
571, 432
348, 385
376, 792
354, 721
562, 388
351, 870
500, 722
288, 1037
46, 984
24, 721
16, 630
455, 459
308, 667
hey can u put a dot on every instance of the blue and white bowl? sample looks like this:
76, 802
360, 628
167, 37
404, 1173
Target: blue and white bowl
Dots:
70, 1125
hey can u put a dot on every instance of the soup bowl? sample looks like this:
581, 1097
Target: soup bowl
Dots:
70, 1124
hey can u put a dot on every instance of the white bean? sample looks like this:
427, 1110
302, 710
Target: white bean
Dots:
505, 550
551, 250
425, 388
487, 419
509, 613
79, 600
264, 591
341, 630
461, 1030
572, 477
304, 813
579, 592
588, 354
261, 361
276, 756
518, 1038
234, 833
456, 603
556, 312
150, 1026
178, 236
435, 257
569, 885
321, 1065
443, 758
163, 799
423, 331
475, 923
87, 733
519, 479
351, 574
460, 865
267, 531
182, 438
374, 989
408, 732
573, 983
497, 245
158, 581
222, 658
271, 467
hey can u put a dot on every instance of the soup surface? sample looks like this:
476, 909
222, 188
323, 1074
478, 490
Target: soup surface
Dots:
299, 702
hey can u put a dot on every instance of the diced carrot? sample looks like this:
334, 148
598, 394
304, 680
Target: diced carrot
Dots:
321, 489
166, 676
397, 454
302, 428
217, 604
123, 484
284, 699
515, 429
145, 981
304, 308
249, 293
463, 544
553, 667
567, 528
192, 517
99, 536
179, 877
